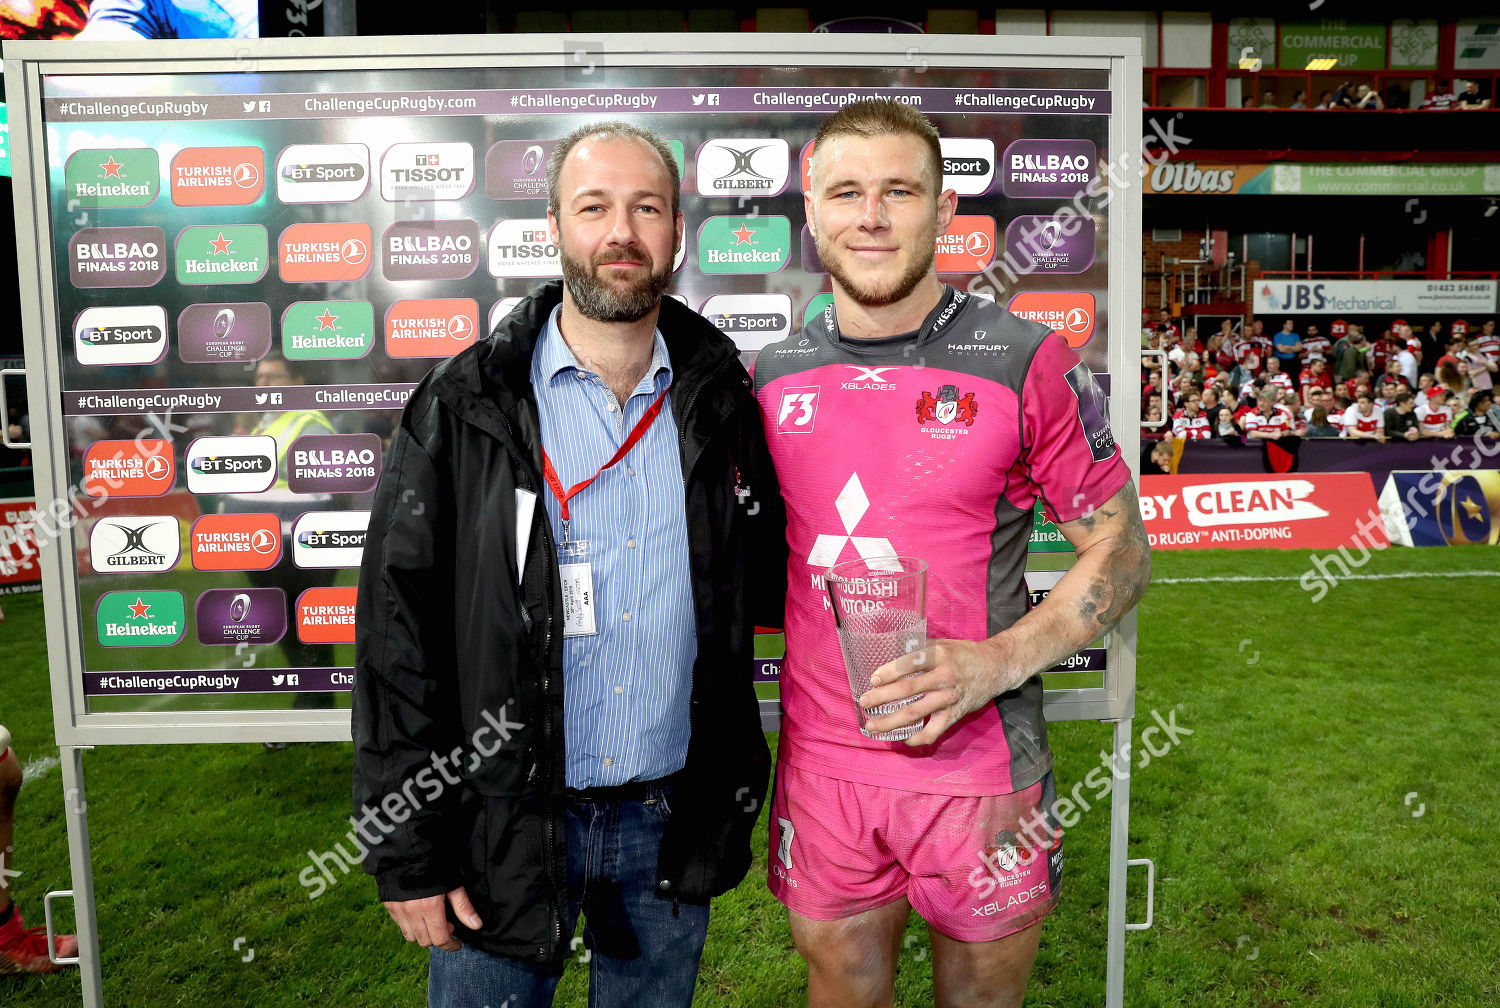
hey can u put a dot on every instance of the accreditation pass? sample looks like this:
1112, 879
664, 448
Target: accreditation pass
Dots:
577, 569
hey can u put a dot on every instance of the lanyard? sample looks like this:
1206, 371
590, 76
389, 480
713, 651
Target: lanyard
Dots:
636, 433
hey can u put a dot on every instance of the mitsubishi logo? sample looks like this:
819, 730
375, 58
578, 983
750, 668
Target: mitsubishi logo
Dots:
851, 503
742, 166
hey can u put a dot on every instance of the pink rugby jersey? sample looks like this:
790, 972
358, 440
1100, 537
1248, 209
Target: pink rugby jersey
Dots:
935, 445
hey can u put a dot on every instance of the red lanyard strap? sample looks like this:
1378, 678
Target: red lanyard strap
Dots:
636, 433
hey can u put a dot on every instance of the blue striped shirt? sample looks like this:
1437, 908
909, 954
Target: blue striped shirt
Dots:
625, 689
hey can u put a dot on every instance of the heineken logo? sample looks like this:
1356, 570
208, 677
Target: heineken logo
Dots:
139, 618
117, 177
221, 254
744, 244
327, 330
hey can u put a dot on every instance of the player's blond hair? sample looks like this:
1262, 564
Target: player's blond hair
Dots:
876, 117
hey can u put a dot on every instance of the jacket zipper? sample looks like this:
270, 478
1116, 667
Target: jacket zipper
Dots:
687, 408
557, 935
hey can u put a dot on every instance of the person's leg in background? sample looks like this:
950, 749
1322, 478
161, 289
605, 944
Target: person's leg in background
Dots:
22, 949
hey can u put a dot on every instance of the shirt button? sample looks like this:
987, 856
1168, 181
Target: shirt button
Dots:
629, 471
630, 543
619, 689
613, 407
609, 761
627, 617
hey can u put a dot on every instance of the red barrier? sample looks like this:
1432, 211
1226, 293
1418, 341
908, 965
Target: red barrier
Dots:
1295, 511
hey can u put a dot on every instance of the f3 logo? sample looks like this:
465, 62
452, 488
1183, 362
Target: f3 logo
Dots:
799, 408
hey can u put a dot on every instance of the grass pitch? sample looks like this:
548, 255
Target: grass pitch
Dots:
1326, 836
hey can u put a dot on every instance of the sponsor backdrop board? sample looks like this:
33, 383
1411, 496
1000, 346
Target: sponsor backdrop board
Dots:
1458, 507
246, 265
1303, 511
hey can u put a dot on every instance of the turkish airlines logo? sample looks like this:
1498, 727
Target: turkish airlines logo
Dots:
235, 542
798, 410
852, 504
144, 468
1069, 314
218, 176
440, 327
968, 246
324, 253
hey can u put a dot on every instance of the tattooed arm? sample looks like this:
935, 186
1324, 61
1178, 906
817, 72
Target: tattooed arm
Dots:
958, 677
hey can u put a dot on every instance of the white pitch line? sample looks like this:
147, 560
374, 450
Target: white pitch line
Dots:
39, 767
1341, 577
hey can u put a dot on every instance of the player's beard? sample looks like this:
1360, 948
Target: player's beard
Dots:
881, 292
603, 301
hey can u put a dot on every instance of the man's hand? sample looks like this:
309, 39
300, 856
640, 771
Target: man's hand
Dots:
957, 677
425, 921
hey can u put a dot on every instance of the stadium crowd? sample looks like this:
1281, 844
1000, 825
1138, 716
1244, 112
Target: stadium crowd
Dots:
1242, 383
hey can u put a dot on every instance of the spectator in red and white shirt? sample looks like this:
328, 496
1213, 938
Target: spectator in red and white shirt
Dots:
1168, 329
1435, 416
1319, 397
1489, 343
1270, 421
1363, 420
1275, 376
1190, 422
1315, 343
1380, 353
1476, 366
1258, 343
1315, 374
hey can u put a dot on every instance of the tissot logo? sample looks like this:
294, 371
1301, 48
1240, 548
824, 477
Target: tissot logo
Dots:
322, 173
523, 248
427, 171
743, 166
136, 543
124, 335
751, 320
244, 464
968, 165
329, 538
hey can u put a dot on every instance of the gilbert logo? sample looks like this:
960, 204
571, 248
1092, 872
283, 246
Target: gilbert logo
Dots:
439, 327
227, 254
743, 166
322, 173
1069, 314
426, 171
968, 246
326, 615
117, 177
329, 538
124, 335
234, 465
751, 320
140, 618
744, 244
218, 176
223, 542
144, 468
324, 253
135, 543
968, 165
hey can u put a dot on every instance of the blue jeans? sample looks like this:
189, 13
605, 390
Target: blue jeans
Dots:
641, 950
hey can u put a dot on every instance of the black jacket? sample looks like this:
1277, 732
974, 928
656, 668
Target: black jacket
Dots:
457, 654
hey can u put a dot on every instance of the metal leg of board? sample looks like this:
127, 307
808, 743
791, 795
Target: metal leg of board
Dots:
82, 865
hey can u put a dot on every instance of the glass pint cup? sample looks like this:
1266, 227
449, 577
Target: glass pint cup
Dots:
880, 609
